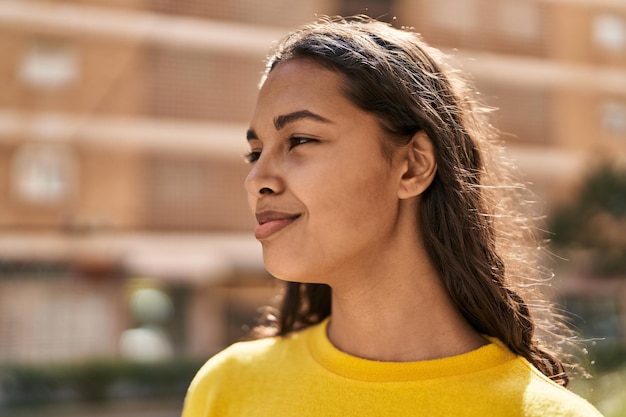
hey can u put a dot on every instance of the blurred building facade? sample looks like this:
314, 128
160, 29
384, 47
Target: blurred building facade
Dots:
121, 129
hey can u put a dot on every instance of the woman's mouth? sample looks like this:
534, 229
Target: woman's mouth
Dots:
271, 222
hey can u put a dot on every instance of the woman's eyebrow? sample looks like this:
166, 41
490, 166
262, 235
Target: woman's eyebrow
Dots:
283, 120
251, 135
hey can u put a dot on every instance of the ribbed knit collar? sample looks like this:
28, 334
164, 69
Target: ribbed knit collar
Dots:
348, 366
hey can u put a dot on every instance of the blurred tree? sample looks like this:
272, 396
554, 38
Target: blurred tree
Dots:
595, 221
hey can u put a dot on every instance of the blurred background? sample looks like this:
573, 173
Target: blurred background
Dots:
126, 253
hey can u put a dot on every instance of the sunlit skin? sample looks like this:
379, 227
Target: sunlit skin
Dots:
333, 209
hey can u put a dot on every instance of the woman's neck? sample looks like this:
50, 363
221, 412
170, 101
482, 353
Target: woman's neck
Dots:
400, 312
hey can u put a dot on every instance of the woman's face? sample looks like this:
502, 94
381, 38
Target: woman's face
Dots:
324, 194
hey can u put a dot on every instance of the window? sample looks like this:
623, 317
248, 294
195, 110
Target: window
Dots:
506, 26
43, 173
198, 85
177, 192
609, 32
66, 319
613, 118
189, 192
523, 113
49, 64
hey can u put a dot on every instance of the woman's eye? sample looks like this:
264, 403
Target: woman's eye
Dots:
295, 141
252, 156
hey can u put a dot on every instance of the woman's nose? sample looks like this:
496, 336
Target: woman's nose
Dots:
264, 178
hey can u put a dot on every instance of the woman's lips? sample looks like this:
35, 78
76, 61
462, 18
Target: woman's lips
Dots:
271, 222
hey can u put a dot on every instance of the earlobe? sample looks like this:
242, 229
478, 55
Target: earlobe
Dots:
420, 166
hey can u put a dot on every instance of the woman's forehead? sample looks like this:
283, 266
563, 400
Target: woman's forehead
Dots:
302, 83
302, 90
296, 70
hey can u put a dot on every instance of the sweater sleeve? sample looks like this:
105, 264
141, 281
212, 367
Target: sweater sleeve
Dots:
225, 378
203, 395
545, 398
198, 394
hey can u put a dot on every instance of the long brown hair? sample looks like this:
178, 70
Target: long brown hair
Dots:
468, 215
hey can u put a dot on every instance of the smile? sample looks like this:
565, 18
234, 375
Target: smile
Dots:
271, 222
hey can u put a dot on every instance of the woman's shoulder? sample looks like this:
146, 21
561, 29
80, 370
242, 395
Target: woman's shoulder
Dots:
240, 354
240, 365
253, 355
518, 385
544, 397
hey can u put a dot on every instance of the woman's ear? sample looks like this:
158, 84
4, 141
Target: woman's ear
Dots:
420, 166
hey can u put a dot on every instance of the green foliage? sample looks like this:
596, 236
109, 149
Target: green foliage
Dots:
596, 221
605, 391
606, 356
97, 381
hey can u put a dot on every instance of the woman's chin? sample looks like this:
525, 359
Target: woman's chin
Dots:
293, 274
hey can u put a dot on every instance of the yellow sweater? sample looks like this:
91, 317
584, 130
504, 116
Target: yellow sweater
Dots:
305, 375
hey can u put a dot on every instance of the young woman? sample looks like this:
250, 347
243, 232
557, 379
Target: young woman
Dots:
380, 201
